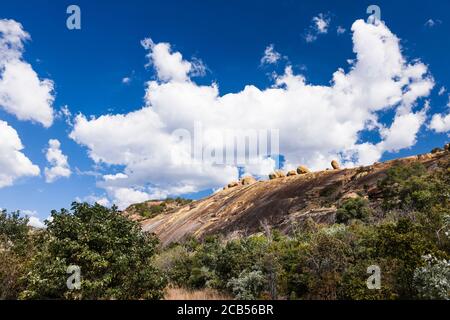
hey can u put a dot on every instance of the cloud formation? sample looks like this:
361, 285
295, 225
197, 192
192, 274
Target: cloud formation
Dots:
316, 123
270, 55
320, 25
13, 163
33, 103
59, 166
22, 94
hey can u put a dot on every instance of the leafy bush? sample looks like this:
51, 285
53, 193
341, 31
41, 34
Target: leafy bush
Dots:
248, 286
113, 253
408, 187
432, 281
351, 209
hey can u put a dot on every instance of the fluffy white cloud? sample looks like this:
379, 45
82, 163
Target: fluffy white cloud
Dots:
270, 55
13, 163
35, 222
320, 25
440, 123
101, 200
59, 166
316, 123
321, 22
402, 133
170, 66
22, 93
126, 196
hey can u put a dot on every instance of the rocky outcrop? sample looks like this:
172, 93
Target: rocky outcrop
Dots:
248, 180
276, 175
303, 170
335, 165
282, 203
233, 184
291, 173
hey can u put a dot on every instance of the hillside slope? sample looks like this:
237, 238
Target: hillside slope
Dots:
281, 203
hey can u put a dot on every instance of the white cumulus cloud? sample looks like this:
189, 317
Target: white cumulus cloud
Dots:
320, 25
270, 55
440, 123
59, 166
35, 222
22, 93
316, 123
13, 163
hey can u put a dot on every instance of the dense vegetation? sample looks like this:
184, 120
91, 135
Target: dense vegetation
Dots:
406, 233
111, 252
151, 209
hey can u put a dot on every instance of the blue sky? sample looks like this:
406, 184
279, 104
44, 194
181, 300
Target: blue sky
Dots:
88, 66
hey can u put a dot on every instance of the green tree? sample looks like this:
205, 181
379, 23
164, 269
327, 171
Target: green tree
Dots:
16, 248
112, 252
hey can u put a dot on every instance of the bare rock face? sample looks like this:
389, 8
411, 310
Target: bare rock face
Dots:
303, 170
283, 203
248, 180
292, 173
335, 165
426, 156
233, 184
277, 174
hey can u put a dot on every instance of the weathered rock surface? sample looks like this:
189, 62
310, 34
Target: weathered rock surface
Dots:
277, 174
291, 173
233, 184
303, 170
335, 165
281, 202
248, 180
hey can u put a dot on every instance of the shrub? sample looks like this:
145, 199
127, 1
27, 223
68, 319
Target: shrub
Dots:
113, 253
248, 286
432, 281
351, 209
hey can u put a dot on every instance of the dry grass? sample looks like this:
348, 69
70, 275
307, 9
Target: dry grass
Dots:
184, 294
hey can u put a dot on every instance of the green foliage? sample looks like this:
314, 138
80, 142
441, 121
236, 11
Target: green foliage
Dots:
149, 209
113, 253
248, 286
432, 281
13, 231
356, 208
119, 261
409, 187
16, 247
